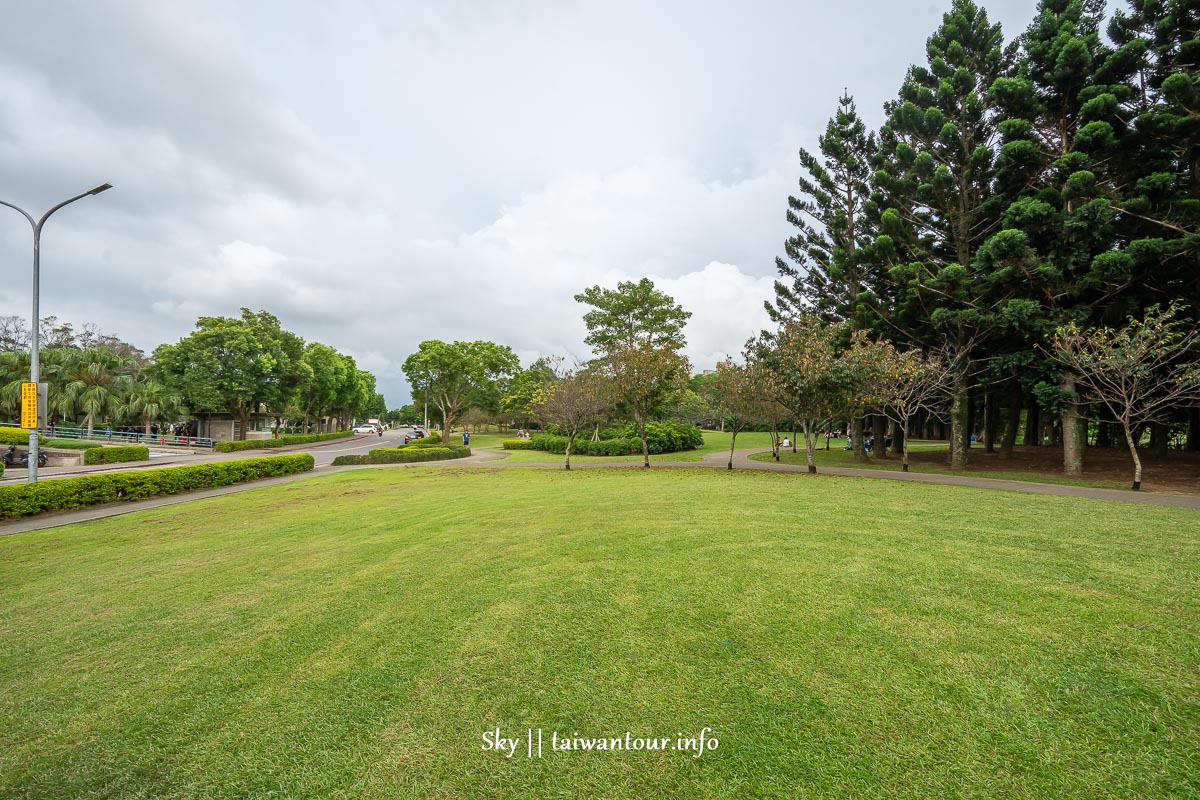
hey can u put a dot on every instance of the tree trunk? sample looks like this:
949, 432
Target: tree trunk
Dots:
899, 438
904, 445
570, 441
809, 446
860, 454
1014, 422
732, 444
1159, 438
880, 425
1137, 462
1032, 422
972, 418
1103, 434
243, 415
645, 447
1193, 434
1072, 428
991, 420
960, 409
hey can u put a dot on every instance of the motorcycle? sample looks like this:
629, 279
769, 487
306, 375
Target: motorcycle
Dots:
12, 459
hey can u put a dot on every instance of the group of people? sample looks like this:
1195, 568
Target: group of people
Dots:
180, 430
868, 441
522, 433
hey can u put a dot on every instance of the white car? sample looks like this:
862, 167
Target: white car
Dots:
365, 428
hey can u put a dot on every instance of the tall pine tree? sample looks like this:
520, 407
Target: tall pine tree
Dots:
833, 229
935, 184
1162, 205
1063, 116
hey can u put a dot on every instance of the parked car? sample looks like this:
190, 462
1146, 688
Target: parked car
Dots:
365, 428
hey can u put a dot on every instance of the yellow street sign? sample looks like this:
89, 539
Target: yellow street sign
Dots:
29, 404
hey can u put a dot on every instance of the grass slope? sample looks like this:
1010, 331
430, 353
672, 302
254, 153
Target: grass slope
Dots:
354, 635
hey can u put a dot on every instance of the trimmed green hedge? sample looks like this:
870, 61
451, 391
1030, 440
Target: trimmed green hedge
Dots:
27, 499
665, 437
72, 444
661, 437
433, 440
518, 444
116, 455
282, 441
404, 455
584, 446
9, 435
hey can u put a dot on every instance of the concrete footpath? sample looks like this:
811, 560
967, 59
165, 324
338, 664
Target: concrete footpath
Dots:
495, 459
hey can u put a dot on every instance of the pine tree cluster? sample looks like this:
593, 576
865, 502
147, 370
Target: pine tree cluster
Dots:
1014, 188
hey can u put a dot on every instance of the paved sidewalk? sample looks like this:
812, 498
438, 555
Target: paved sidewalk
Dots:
493, 458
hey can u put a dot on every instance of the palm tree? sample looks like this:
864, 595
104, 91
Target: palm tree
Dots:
57, 364
14, 370
96, 381
150, 401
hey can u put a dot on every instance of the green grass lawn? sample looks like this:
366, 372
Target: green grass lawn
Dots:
354, 635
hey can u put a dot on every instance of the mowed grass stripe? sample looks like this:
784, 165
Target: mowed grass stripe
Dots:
353, 635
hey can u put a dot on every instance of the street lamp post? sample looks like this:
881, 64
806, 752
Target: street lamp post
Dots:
35, 333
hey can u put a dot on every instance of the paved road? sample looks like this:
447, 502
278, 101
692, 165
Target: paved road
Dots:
322, 453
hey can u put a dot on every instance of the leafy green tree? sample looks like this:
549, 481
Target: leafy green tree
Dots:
636, 332
523, 389
800, 372
691, 407
317, 384
738, 394
405, 415
633, 314
455, 373
834, 231
234, 364
645, 381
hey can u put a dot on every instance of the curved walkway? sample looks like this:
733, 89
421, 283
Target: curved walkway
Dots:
495, 458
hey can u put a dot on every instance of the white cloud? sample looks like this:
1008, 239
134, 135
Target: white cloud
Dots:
379, 174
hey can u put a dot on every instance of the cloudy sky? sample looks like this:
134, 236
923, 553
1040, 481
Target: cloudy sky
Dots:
379, 173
